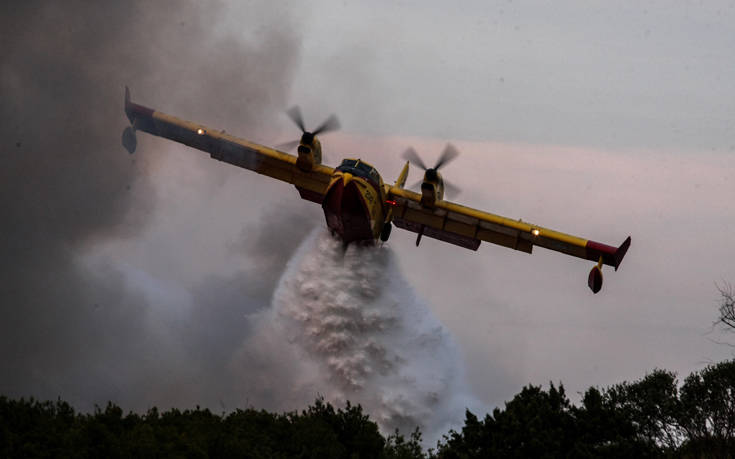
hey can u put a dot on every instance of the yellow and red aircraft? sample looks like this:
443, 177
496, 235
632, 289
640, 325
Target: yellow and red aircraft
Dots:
357, 204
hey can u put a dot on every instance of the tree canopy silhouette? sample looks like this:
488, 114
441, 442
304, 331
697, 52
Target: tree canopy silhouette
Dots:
651, 417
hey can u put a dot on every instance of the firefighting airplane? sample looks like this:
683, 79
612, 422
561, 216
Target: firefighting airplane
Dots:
358, 205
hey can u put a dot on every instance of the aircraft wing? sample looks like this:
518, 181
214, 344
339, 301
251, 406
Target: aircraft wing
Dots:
221, 146
467, 227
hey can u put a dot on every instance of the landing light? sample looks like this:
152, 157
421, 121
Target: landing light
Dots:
535, 232
200, 131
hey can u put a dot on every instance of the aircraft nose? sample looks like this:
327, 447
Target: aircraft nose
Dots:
346, 178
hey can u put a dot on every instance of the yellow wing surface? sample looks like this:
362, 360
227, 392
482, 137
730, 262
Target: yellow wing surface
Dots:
311, 184
443, 220
467, 227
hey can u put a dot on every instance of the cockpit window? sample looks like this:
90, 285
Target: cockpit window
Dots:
360, 169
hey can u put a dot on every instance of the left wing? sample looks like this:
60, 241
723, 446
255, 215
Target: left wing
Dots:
467, 227
311, 184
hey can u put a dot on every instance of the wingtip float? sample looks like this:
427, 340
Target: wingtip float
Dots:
358, 206
606, 255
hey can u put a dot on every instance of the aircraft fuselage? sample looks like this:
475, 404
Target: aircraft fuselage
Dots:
354, 203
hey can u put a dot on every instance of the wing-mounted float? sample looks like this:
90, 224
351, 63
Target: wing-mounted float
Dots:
358, 206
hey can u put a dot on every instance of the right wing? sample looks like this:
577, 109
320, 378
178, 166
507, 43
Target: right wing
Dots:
467, 227
221, 146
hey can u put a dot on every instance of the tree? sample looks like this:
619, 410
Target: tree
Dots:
708, 411
650, 417
397, 447
636, 419
536, 423
727, 307
29, 428
650, 407
606, 430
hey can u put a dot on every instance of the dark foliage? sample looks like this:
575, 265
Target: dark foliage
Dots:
29, 428
651, 417
646, 418
708, 412
535, 423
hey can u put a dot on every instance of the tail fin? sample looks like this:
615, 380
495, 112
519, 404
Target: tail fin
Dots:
620, 253
128, 136
127, 105
401, 181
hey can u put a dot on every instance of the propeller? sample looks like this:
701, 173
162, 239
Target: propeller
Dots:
447, 156
330, 124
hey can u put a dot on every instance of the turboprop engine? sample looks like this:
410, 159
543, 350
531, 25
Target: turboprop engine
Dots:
309, 147
433, 185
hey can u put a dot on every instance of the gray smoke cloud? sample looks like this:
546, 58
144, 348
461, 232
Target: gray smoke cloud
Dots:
66, 185
340, 324
207, 340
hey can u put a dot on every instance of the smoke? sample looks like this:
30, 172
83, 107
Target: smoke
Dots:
67, 328
345, 324
106, 291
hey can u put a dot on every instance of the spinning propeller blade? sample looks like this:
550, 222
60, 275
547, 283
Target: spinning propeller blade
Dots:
447, 156
295, 114
412, 157
330, 124
288, 146
450, 189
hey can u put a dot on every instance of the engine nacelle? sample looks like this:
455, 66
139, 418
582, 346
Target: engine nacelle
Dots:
432, 188
428, 194
595, 279
310, 152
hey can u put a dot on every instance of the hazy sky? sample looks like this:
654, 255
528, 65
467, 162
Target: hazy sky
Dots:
594, 118
599, 119
622, 74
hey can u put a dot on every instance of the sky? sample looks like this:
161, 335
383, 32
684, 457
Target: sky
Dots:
132, 278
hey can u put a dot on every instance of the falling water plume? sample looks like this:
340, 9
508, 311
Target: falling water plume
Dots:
346, 325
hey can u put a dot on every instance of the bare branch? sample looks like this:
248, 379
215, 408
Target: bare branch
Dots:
722, 343
727, 305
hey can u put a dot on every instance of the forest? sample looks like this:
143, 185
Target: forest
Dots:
655, 416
